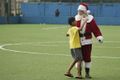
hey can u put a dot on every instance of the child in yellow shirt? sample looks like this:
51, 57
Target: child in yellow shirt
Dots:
75, 47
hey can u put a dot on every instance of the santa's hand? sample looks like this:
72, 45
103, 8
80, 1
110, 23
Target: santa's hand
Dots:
100, 39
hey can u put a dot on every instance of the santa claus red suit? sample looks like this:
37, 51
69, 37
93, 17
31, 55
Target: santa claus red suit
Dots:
86, 34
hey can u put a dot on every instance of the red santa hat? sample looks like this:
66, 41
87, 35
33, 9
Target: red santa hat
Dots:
83, 7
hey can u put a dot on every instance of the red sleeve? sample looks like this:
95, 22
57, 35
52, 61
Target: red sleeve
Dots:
78, 24
95, 29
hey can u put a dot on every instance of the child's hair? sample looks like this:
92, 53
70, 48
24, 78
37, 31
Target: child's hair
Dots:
71, 20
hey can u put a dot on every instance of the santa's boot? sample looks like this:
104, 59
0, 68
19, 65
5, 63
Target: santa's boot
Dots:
87, 71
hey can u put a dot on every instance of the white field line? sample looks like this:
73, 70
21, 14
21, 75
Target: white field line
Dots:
2, 47
107, 47
27, 52
53, 28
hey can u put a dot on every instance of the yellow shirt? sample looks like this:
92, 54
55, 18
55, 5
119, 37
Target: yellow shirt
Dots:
74, 38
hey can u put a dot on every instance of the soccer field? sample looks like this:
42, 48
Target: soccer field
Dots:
41, 52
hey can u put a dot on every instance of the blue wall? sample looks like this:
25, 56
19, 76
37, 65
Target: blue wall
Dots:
105, 14
14, 19
45, 13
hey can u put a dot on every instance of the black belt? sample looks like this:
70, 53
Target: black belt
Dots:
85, 34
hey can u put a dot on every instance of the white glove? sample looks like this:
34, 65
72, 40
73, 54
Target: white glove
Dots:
100, 39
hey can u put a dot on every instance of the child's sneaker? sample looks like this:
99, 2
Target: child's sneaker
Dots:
68, 75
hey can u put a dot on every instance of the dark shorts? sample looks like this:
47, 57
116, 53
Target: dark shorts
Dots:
77, 53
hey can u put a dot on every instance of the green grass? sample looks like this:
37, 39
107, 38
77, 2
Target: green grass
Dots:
40, 46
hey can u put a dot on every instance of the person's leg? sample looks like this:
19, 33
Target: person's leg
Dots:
87, 69
86, 50
79, 62
79, 70
70, 67
77, 65
68, 73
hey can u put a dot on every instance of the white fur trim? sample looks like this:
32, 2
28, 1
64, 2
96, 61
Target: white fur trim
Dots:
85, 41
88, 12
78, 18
82, 8
90, 18
87, 64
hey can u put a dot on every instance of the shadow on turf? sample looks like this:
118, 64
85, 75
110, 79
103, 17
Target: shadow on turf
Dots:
95, 78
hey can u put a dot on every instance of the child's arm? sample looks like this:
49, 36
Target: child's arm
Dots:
82, 25
67, 35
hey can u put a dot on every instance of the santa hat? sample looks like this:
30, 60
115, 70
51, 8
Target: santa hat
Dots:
83, 7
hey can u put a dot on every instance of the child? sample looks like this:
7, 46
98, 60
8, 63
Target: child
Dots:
75, 46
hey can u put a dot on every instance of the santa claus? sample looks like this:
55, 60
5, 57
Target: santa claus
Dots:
86, 34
